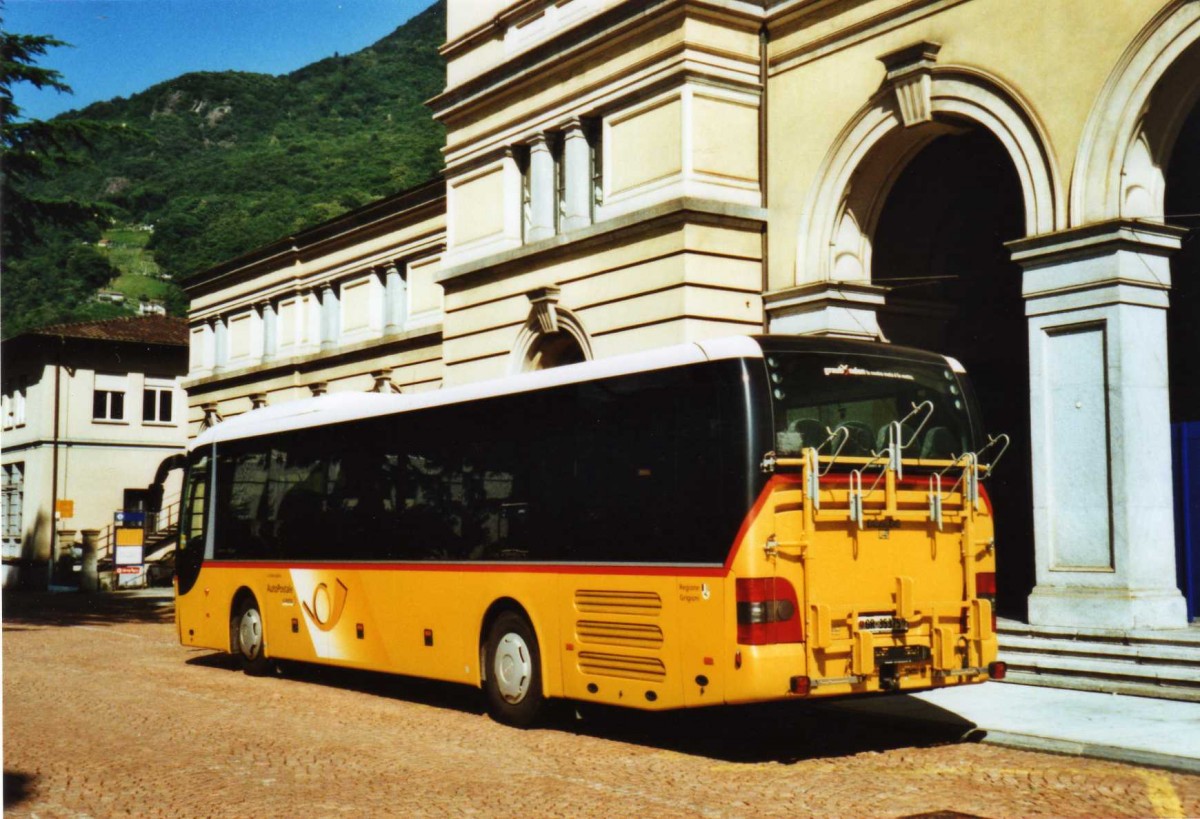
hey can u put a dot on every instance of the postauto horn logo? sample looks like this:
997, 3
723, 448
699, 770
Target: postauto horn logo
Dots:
326, 609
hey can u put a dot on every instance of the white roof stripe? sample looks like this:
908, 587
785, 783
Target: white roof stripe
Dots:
347, 406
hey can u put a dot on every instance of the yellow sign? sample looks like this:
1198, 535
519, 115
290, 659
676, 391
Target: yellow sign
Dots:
129, 537
65, 508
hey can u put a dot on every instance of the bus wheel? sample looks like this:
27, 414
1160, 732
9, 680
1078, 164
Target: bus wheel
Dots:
513, 684
249, 644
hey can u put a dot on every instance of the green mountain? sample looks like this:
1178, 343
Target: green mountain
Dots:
219, 163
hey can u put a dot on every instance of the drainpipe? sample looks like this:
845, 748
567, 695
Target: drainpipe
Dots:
54, 466
763, 40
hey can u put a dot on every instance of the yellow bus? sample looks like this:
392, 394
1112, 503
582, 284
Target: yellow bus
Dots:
729, 521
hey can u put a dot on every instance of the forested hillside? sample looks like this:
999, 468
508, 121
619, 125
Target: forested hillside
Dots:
218, 163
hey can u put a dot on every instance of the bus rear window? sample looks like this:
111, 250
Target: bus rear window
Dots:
815, 393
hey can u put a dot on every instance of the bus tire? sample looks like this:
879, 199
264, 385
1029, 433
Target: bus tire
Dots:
248, 638
513, 672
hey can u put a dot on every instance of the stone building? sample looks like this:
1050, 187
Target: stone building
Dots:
1009, 183
90, 410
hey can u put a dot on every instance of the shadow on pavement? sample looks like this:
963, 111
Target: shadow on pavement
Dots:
784, 732
76, 608
17, 787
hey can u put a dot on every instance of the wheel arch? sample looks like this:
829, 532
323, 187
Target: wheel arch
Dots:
498, 607
240, 596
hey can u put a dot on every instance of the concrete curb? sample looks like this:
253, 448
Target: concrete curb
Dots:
1110, 753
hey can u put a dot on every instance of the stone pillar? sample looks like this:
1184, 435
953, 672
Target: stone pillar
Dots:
844, 309
89, 577
1096, 298
270, 329
330, 318
220, 327
577, 173
395, 299
541, 184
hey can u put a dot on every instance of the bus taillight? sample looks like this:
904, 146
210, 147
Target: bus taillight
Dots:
985, 588
767, 612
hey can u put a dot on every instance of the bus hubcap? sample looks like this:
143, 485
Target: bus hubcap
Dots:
250, 633
513, 667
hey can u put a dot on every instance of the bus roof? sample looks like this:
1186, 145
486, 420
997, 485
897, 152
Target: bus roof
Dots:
338, 407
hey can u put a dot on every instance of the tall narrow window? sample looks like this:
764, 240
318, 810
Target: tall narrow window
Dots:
108, 400
157, 401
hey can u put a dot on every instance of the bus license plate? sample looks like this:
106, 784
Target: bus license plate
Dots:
882, 624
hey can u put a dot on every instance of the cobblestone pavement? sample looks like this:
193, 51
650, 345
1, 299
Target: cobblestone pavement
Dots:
105, 714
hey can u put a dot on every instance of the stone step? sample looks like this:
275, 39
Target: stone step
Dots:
1155, 653
1133, 688
1163, 664
1189, 636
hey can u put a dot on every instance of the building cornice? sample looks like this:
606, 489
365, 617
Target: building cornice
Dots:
428, 335
573, 44
666, 214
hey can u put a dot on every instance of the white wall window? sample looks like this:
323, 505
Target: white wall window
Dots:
157, 398
108, 399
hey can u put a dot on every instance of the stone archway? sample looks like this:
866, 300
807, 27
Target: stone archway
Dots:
919, 102
1136, 119
552, 336
881, 218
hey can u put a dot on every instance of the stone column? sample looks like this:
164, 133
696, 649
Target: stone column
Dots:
270, 329
395, 299
330, 318
220, 327
577, 173
1096, 298
541, 184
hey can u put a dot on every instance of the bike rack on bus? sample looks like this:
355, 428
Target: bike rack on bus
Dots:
896, 446
969, 479
812, 465
857, 496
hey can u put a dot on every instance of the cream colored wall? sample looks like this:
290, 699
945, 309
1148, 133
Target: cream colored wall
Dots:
1054, 57
649, 287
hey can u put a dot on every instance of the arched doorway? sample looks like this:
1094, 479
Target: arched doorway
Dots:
938, 249
1182, 206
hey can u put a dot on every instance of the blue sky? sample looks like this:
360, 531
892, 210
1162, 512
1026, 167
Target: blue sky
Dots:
121, 47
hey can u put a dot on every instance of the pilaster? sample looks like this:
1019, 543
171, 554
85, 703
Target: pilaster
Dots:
1096, 300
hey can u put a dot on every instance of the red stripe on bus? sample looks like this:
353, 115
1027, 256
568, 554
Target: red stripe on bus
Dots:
535, 568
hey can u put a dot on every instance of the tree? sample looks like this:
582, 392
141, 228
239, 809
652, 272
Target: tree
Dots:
45, 275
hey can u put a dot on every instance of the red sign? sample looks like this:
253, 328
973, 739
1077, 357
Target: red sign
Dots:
129, 570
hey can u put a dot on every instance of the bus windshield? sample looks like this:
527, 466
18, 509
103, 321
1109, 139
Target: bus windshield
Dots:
815, 392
